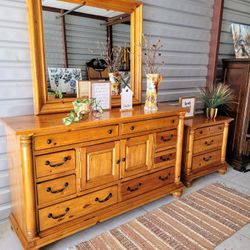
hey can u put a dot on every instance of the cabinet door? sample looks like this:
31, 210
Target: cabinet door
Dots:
100, 164
136, 155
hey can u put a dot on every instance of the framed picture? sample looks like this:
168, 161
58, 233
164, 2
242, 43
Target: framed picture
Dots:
188, 102
101, 91
83, 89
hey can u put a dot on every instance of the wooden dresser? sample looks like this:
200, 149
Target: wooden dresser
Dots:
204, 150
237, 75
65, 179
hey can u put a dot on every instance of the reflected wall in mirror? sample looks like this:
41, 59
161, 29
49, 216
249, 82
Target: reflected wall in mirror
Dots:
82, 42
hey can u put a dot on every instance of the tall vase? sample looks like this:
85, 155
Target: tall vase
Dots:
115, 79
153, 82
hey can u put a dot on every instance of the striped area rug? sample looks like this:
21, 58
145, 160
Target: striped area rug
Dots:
202, 220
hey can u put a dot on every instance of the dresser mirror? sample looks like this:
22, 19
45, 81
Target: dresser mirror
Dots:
71, 40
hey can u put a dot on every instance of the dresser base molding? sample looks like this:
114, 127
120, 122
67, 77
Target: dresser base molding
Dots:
81, 223
221, 169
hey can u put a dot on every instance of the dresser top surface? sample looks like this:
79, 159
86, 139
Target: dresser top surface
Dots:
27, 125
202, 121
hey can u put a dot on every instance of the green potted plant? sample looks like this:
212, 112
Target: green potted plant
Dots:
216, 96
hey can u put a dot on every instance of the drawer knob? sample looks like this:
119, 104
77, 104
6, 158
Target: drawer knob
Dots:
104, 200
110, 131
165, 159
173, 121
49, 141
134, 189
201, 132
123, 159
65, 159
207, 158
49, 189
164, 178
167, 138
50, 215
118, 162
209, 143
132, 128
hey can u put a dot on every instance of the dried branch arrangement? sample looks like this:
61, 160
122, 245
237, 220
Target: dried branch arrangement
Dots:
151, 53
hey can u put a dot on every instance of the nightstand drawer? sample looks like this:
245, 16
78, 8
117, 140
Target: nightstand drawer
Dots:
165, 158
206, 159
207, 143
208, 131
146, 183
166, 139
73, 137
56, 189
69, 210
147, 125
56, 163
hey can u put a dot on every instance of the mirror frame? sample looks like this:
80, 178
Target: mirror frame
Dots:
41, 103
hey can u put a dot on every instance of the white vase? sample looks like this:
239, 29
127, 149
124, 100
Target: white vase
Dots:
153, 82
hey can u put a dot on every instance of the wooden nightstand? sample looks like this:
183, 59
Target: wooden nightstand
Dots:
204, 150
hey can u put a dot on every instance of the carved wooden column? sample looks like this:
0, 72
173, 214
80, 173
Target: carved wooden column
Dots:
190, 152
179, 148
224, 143
28, 186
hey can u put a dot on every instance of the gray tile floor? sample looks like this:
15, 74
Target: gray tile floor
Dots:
239, 241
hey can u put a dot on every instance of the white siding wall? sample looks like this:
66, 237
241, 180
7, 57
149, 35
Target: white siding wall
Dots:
235, 11
183, 26
15, 81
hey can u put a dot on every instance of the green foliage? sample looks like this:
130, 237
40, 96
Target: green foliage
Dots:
217, 95
78, 113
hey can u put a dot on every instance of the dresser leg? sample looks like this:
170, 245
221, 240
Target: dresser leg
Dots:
178, 193
188, 184
222, 171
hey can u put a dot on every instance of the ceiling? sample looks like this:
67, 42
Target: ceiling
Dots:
83, 9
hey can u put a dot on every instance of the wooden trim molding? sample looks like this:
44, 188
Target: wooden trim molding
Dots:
215, 41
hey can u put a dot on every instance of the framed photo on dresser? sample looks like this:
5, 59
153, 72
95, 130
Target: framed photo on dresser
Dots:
188, 102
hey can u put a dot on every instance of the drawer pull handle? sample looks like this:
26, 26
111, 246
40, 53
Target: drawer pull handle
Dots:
104, 200
167, 139
49, 189
164, 178
110, 131
134, 189
208, 158
132, 128
165, 159
58, 216
49, 141
65, 159
209, 143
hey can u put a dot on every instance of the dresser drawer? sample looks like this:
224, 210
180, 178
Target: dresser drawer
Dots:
147, 125
206, 159
72, 137
146, 183
165, 158
69, 210
50, 164
56, 189
207, 143
207, 131
166, 139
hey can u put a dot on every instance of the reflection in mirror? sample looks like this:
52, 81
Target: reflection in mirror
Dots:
78, 40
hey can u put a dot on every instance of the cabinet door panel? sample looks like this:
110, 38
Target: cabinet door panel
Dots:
136, 155
100, 164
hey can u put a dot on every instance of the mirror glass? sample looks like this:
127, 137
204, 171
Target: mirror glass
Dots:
82, 43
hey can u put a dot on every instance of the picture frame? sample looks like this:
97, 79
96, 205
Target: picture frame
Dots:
101, 91
83, 89
189, 102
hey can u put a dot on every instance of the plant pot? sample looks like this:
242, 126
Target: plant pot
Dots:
153, 83
115, 79
211, 113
